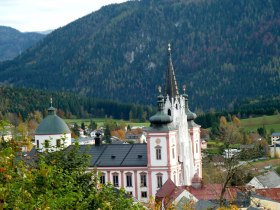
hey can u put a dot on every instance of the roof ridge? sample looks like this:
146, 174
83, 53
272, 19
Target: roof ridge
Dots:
127, 154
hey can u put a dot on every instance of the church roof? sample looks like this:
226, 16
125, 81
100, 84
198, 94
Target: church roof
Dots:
171, 88
116, 155
52, 124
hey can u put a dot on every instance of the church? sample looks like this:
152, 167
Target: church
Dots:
173, 149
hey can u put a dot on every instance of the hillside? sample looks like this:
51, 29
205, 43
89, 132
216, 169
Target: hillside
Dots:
224, 50
23, 101
14, 42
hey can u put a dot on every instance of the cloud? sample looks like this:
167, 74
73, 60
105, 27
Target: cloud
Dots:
40, 15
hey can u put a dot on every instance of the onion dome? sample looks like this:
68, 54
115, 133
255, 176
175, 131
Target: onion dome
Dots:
52, 124
190, 115
160, 117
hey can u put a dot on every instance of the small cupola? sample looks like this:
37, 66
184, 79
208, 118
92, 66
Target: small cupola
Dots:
160, 117
190, 115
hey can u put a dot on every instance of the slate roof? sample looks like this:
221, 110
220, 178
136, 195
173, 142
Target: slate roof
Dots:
275, 134
116, 155
270, 179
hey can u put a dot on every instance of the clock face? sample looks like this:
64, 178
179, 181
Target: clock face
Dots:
157, 141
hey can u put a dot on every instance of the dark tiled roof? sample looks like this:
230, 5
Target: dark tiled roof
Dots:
116, 155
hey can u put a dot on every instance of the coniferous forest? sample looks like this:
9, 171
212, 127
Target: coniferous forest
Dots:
23, 101
224, 51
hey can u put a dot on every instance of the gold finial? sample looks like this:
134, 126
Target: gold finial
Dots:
184, 88
51, 100
159, 89
169, 47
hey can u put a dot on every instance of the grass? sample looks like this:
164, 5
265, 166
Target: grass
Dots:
268, 122
100, 122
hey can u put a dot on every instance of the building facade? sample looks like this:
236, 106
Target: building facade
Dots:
173, 149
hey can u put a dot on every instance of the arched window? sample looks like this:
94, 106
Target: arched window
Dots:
115, 179
128, 179
38, 144
47, 143
159, 180
169, 112
58, 142
173, 152
158, 152
143, 179
102, 178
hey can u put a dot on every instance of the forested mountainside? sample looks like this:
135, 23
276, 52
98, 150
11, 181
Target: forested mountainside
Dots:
24, 101
14, 42
223, 50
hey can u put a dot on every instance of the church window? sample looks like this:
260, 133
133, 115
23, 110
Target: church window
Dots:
158, 153
58, 143
38, 144
129, 179
180, 178
102, 179
47, 143
169, 112
159, 180
176, 106
115, 179
173, 152
143, 180
174, 177
144, 194
196, 147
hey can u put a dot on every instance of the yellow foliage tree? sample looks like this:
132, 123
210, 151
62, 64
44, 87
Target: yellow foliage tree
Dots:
223, 121
235, 121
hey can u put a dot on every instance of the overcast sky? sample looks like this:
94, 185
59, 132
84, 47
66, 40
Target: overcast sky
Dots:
41, 15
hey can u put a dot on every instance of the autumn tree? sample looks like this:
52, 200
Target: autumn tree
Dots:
59, 180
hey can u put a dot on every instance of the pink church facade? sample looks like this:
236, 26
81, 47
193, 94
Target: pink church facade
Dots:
173, 149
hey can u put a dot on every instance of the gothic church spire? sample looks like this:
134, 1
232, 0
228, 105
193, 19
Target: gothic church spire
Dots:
171, 88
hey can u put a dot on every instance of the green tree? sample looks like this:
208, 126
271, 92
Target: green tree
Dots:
107, 134
262, 131
57, 180
92, 125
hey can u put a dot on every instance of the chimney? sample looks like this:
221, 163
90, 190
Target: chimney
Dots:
97, 139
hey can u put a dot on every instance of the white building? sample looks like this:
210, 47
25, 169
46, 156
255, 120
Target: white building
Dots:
52, 134
275, 138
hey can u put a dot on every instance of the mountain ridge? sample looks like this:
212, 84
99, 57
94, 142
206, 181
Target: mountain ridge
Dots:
14, 42
224, 51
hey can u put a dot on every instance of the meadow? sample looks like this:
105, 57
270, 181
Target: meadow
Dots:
268, 122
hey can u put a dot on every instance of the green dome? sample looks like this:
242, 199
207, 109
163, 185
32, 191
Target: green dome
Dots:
160, 118
52, 124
